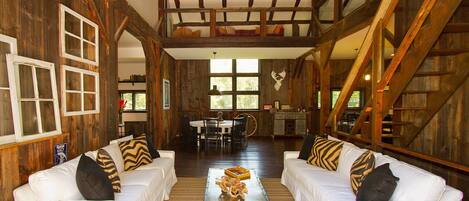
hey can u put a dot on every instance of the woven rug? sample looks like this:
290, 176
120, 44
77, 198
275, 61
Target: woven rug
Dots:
190, 188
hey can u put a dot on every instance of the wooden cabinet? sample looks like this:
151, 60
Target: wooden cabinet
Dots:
289, 123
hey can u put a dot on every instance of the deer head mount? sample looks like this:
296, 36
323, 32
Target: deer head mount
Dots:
278, 77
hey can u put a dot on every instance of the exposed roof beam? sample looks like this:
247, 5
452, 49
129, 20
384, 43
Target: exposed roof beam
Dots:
390, 37
297, 2
456, 28
239, 23
238, 42
271, 15
178, 5
319, 3
224, 6
346, 3
250, 3
202, 14
239, 9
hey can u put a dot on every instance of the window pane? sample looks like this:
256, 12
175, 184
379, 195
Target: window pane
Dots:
223, 83
26, 81
29, 117
247, 65
47, 116
4, 49
72, 45
73, 81
140, 101
244, 102
221, 102
335, 96
72, 24
128, 98
73, 102
88, 32
247, 84
89, 51
319, 99
44, 83
221, 66
354, 99
89, 83
6, 127
90, 102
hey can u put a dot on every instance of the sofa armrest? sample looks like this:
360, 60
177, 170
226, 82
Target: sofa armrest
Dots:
167, 154
451, 194
24, 193
290, 154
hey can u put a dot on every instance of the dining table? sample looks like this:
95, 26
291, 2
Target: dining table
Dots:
225, 126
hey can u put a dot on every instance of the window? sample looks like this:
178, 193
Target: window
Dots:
79, 37
36, 97
9, 110
238, 80
355, 100
80, 91
136, 101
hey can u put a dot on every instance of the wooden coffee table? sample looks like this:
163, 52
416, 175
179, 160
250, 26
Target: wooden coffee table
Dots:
213, 192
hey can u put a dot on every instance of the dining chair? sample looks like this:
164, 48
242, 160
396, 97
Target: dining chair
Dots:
212, 131
238, 133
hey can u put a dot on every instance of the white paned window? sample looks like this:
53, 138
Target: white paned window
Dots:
9, 117
79, 37
36, 97
80, 91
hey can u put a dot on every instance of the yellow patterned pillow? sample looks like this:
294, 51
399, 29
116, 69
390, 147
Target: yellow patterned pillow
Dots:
135, 153
325, 153
105, 161
362, 166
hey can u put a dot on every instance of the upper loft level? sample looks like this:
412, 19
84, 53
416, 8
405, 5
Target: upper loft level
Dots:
260, 23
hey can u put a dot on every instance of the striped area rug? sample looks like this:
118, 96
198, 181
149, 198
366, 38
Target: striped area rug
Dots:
190, 188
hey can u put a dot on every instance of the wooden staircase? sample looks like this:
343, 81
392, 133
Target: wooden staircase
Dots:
403, 72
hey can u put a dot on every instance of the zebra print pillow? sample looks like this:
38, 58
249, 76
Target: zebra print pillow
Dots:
362, 166
135, 153
325, 153
105, 161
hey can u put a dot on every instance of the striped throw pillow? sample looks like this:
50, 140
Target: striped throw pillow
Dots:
362, 166
105, 161
135, 153
325, 153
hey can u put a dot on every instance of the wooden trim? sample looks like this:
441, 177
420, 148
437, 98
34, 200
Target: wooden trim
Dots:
239, 9
297, 2
16, 144
263, 27
240, 23
213, 23
456, 28
267, 41
271, 15
121, 28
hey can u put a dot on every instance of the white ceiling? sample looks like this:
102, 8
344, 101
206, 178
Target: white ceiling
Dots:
344, 49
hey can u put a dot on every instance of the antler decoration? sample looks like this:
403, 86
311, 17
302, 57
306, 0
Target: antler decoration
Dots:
278, 77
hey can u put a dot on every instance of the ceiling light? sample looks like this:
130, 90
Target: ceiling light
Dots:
367, 77
214, 91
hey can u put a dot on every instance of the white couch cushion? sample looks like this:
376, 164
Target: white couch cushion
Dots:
165, 164
149, 177
414, 183
116, 155
122, 139
348, 155
56, 183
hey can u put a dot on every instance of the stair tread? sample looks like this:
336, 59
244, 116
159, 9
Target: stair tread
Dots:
419, 91
409, 108
432, 73
393, 122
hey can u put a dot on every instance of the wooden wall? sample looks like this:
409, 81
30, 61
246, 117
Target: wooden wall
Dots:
447, 135
300, 91
171, 117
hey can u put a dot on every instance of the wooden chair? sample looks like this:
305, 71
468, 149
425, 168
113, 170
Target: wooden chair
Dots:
238, 133
212, 131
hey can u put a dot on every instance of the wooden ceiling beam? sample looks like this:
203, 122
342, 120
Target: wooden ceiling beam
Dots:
297, 3
241, 9
250, 3
456, 28
224, 3
239, 23
121, 28
238, 42
177, 3
389, 36
202, 14
271, 14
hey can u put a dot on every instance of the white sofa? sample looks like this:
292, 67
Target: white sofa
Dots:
310, 183
152, 182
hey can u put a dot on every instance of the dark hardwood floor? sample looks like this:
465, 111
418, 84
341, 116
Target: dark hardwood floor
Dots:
263, 154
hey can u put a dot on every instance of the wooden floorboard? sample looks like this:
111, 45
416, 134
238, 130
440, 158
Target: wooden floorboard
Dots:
264, 155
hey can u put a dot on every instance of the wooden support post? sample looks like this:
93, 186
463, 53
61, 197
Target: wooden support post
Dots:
325, 89
121, 28
295, 29
338, 9
377, 94
213, 23
263, 19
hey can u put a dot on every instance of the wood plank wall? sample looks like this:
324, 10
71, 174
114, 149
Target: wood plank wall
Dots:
35, 25
447, 135
302, 91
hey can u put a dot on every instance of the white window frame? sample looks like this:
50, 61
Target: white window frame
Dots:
12, 63
82, 91
64, 9
12, 89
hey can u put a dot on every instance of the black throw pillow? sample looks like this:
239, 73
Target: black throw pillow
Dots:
379, 185
151, 147
92, 181
306, 148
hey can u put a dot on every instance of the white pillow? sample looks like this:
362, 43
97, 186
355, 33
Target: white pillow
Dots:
116, 155
414, 183
56, 183
348, 155
123, 139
